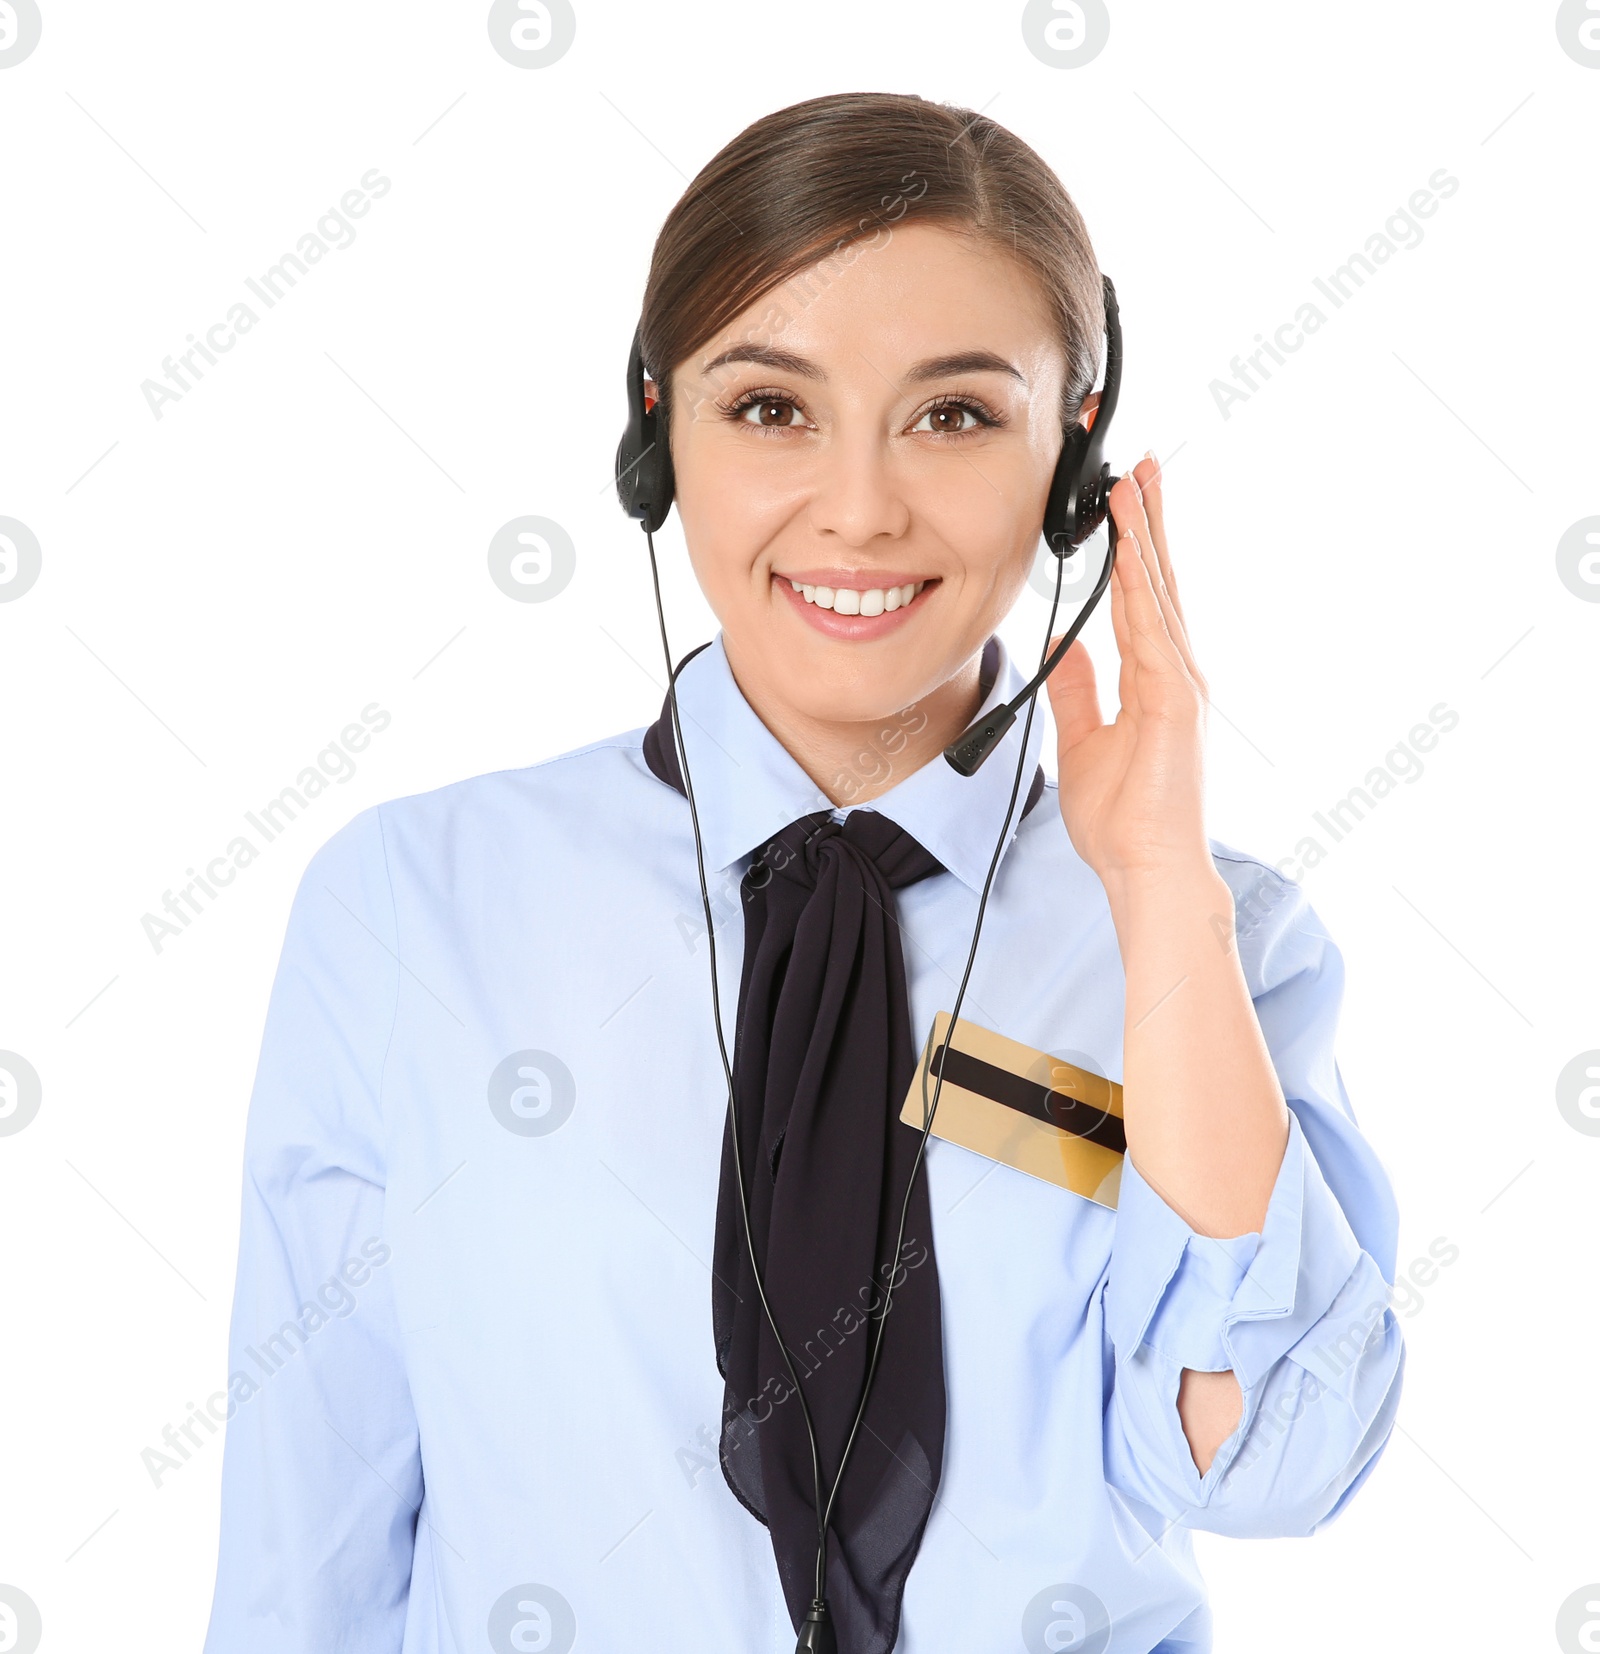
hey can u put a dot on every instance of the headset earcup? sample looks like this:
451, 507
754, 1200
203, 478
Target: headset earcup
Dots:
1061, 504
644, 448
659, 462
644, 462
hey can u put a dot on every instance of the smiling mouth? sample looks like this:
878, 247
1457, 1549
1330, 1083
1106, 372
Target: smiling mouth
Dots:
849, 600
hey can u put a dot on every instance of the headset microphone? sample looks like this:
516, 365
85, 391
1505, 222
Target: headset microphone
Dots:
1078, 503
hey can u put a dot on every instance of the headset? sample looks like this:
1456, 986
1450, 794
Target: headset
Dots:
1078, 502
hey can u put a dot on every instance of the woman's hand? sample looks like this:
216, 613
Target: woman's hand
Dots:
1133, 791
1205, 1117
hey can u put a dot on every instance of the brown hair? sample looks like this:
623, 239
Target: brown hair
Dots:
808, 184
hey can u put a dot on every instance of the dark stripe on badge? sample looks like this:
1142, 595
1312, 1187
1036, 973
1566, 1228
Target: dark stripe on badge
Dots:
1026, 1096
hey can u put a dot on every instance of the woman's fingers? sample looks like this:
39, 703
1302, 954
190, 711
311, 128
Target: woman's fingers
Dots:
1126, 697
1145, 478
1161, 570
1147, 619
1149, 608
1147, 473
1150, 648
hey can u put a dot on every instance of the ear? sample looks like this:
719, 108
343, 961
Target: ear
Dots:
651, 395
1091, 406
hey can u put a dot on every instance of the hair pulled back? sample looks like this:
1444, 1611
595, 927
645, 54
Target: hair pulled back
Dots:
822, 182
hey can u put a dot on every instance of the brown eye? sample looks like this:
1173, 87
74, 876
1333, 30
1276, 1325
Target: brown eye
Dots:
950, 419
771, 413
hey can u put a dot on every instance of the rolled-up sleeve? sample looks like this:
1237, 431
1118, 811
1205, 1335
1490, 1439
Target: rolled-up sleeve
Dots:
1299, 1312
321, 1476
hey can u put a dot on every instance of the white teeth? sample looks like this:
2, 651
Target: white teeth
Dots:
846, 600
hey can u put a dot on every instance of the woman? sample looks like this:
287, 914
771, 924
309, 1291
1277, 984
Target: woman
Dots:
492, 1119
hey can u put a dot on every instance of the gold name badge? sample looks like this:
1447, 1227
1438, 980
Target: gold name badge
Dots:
1022, 1107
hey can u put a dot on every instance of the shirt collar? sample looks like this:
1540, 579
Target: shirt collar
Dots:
748, 787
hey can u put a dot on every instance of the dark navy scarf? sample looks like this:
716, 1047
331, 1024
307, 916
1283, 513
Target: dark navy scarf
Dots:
823, 1055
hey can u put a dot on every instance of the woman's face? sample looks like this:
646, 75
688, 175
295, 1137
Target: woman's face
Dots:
868, 427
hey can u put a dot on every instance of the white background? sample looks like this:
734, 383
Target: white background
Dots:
305, 532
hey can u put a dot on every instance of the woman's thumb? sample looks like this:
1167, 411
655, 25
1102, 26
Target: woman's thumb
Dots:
1074, 700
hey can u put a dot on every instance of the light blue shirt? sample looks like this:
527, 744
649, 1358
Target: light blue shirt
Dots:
473, 1396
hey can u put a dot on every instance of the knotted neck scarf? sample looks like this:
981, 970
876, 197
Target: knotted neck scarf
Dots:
823, 1056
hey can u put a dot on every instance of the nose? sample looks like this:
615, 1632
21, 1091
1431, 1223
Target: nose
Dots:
857, 497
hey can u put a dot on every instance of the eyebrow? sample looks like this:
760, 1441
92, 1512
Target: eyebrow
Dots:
932, 367
964, 361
